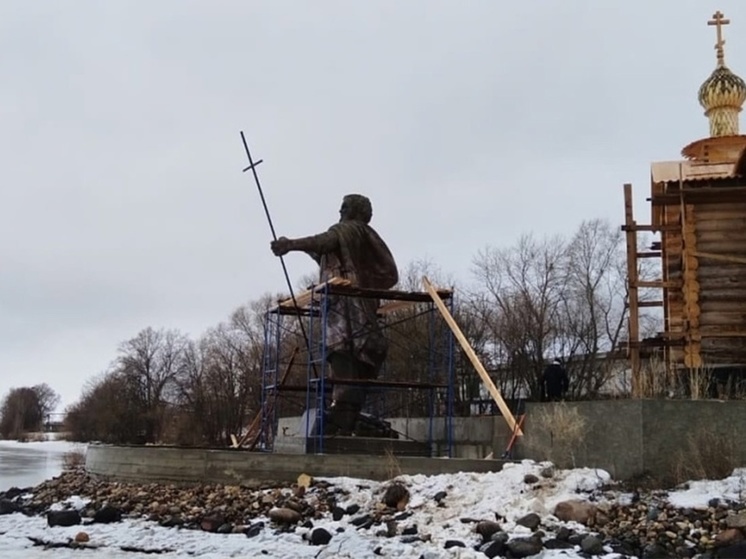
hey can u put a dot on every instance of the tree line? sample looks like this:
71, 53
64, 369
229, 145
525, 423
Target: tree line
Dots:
524, 304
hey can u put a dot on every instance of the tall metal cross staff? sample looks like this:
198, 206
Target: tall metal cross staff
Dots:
718, 20
252, 167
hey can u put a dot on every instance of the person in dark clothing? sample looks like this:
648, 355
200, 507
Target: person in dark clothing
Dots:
554, 382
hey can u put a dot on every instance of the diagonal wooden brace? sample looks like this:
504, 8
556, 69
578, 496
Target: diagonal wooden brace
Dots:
469, 351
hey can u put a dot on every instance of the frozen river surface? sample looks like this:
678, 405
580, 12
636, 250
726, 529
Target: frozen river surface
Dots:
28, 464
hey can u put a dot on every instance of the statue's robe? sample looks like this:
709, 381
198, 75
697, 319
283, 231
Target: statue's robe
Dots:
355, 344
354, 251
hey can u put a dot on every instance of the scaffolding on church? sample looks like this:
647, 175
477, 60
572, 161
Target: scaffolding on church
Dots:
312, 307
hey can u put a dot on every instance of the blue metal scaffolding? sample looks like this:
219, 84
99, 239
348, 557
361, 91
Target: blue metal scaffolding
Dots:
313, 307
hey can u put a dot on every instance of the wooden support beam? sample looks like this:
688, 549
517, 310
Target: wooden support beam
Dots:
653, 254
469, 351
631, 228
650, 304
720, 257
634, 227
394, 306
658, 284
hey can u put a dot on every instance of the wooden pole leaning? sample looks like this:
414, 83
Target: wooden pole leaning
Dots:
471, 354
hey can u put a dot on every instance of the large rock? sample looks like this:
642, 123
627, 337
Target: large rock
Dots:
736, 520
486, 528
107, 514
63, 518
575, 510
524, 547
283, 515
396, 496
7, 506
729, 536
530, 521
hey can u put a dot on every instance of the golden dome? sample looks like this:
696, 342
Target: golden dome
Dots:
722, 94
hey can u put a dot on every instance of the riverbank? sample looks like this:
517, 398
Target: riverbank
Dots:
524, 510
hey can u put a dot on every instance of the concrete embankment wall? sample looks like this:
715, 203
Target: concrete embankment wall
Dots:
624, 437
185, 465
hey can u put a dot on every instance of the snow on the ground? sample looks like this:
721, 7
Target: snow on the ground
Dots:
697, 494
469, 495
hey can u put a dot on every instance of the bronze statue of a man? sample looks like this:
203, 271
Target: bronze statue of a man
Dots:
355, 345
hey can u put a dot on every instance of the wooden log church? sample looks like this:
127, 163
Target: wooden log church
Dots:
698, 211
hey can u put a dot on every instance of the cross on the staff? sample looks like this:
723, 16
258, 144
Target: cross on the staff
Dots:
719, 20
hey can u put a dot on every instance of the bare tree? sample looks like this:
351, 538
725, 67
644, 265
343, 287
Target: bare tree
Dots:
153, 360
521, 288
25, 409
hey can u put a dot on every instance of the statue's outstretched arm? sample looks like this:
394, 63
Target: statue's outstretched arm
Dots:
314, 246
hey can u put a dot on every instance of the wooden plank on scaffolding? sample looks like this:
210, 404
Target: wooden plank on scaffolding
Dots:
470, 353
304, 298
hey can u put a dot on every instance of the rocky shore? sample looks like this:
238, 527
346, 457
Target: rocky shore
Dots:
642, 524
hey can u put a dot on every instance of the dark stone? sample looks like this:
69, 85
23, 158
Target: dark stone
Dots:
524, 547
226, 528
575, 539
107, 514
453, 543
360, 520
493, 549
530, 521
172, 521
7, 506
624, 547
340, 529
439, 496
319, 536
63, 518
378, 551
563, 533
211, 523
530, 479
714, 502
352, 509
683, 552
467, 520
254, 530
391, 528
555, 543
402, 516
308, 523
592, 545
655, 551
13, 492
500, 537
735, 551
486, 528
409, 530
338, 513
409, 539
653, 514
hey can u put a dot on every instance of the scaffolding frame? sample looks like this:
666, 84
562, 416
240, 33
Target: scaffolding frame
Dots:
312, 307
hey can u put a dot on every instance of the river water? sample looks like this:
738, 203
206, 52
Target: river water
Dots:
28, 464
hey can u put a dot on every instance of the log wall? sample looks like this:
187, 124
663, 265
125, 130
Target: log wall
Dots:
707, 254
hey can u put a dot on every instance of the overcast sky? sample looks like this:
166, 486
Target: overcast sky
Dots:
467, 123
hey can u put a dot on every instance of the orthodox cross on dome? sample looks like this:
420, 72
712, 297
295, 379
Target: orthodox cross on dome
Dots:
719, 20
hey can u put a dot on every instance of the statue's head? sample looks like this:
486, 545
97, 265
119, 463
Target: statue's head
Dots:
356, 207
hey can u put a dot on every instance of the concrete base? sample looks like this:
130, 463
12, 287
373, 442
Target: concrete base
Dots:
145, 464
